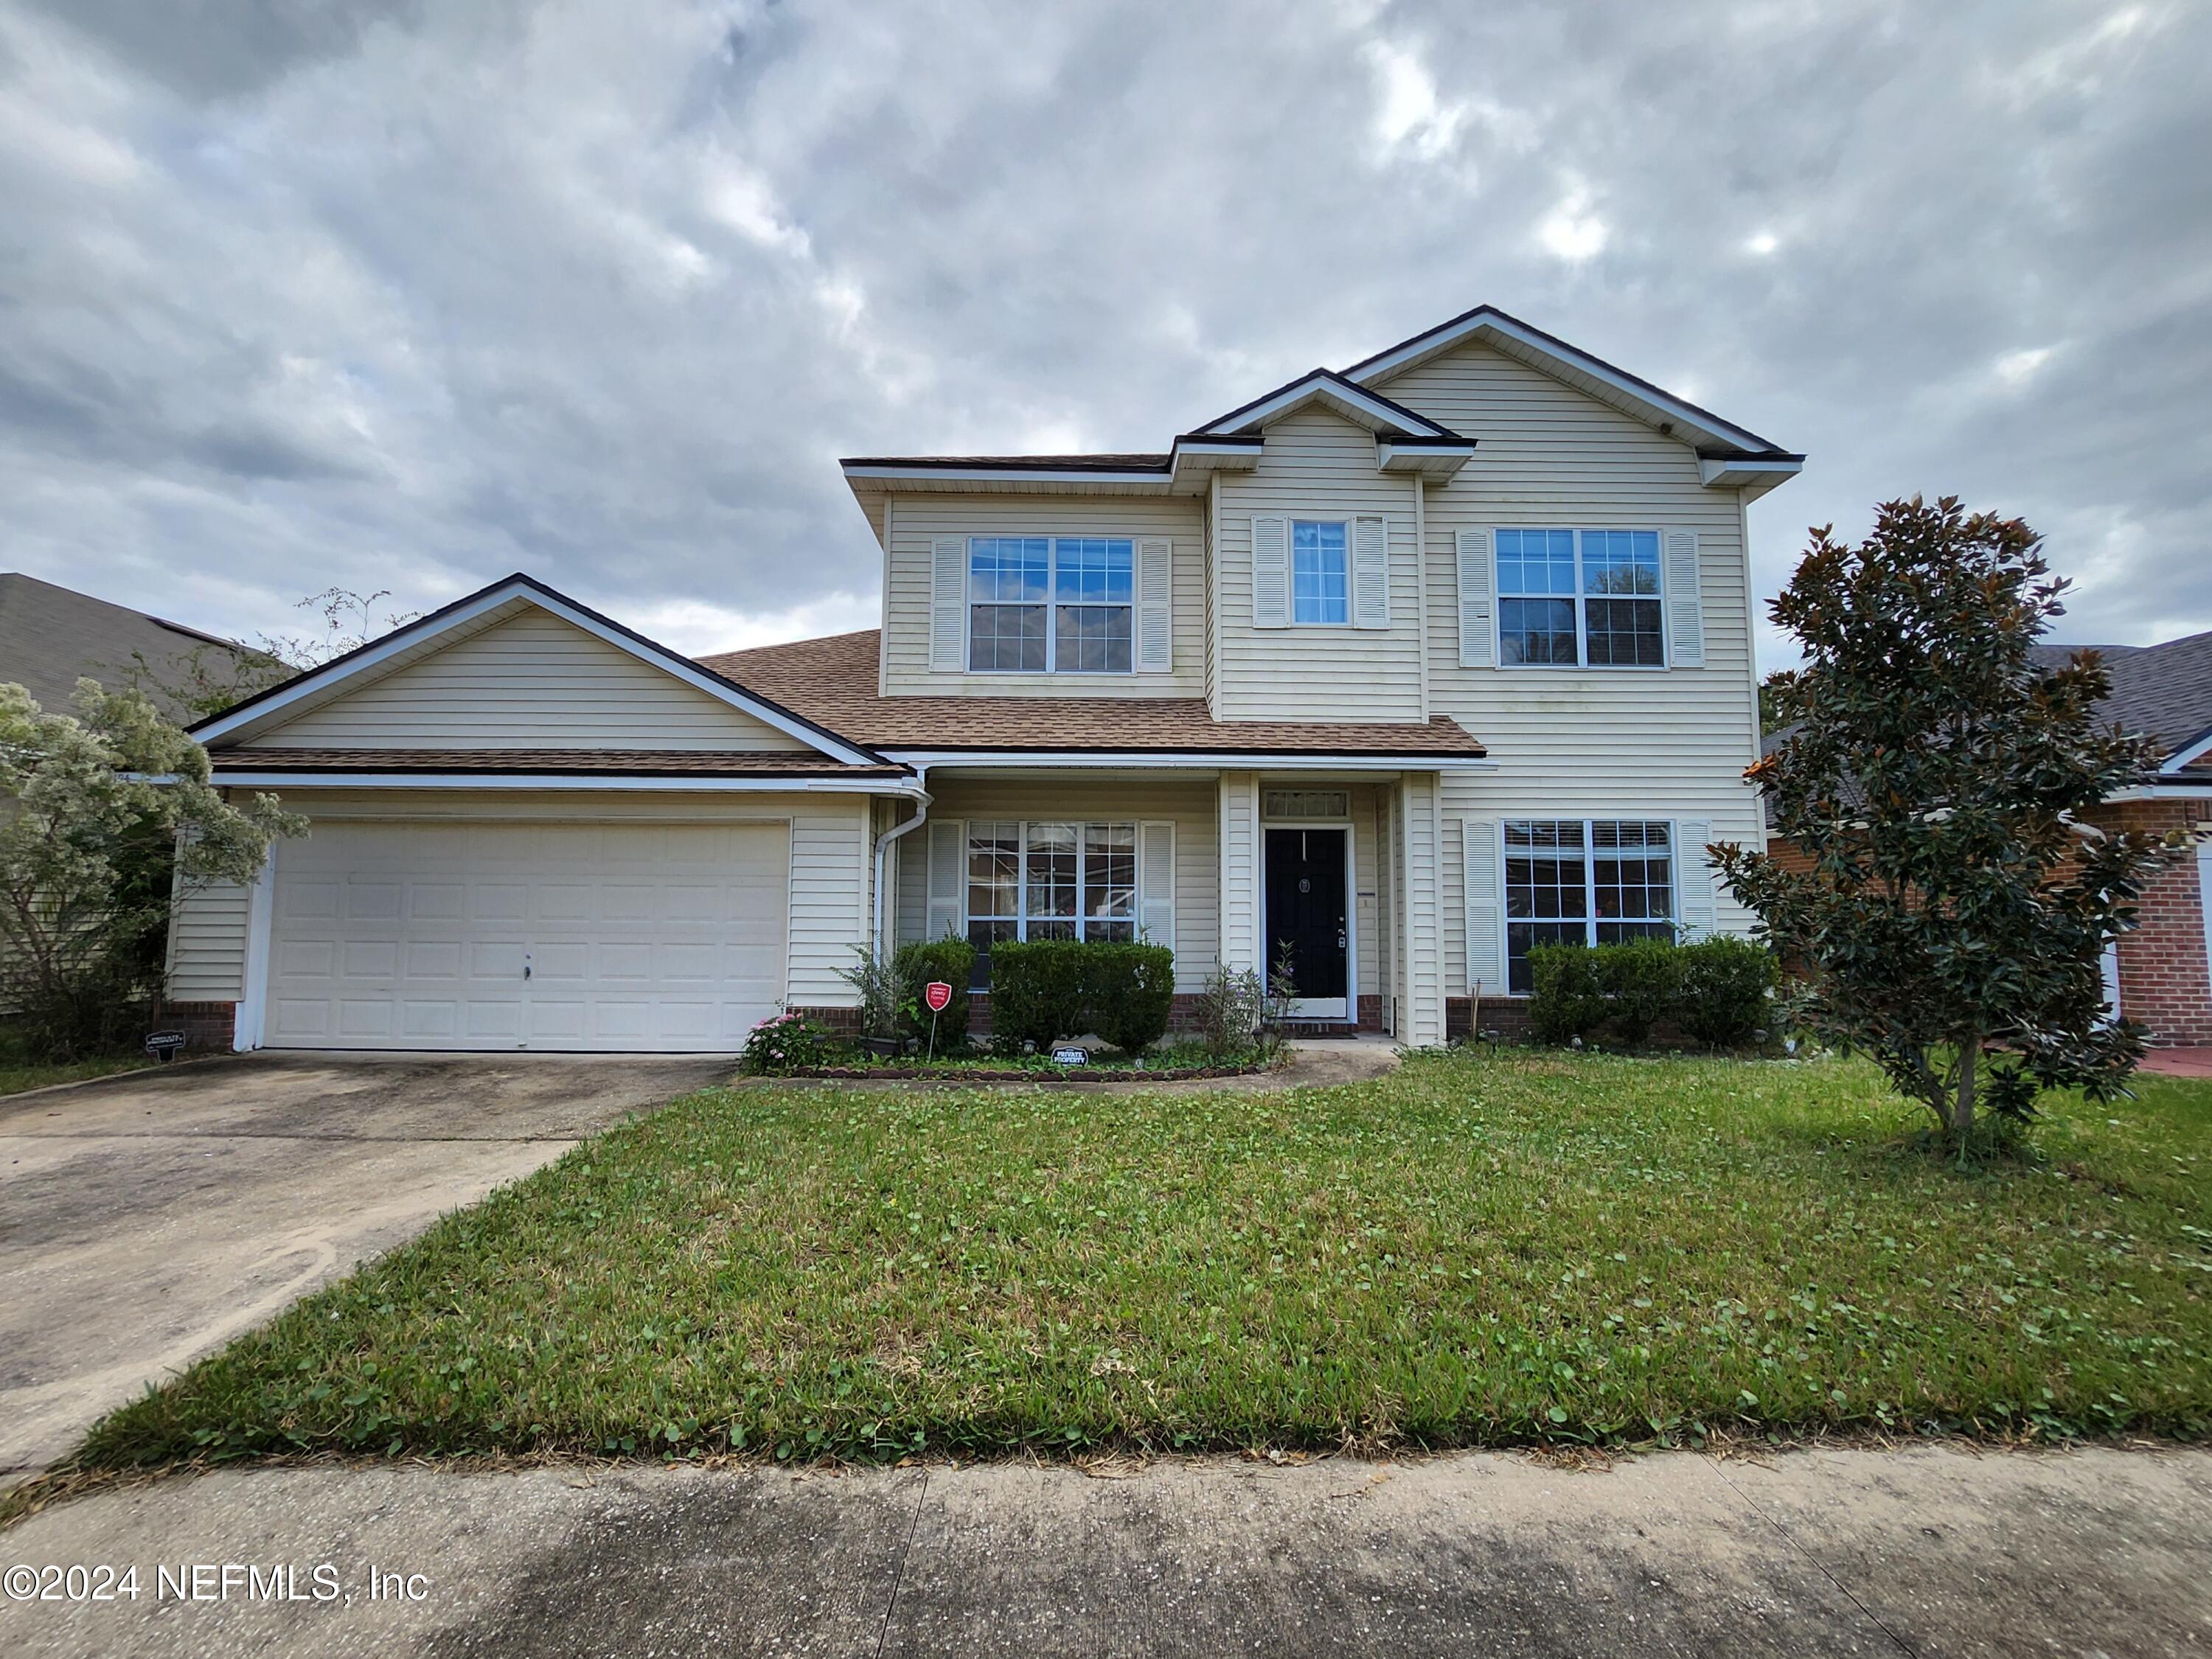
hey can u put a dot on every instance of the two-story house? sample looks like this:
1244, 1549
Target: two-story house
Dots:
1397, 670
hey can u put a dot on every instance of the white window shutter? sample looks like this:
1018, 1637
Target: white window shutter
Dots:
1485, 934
1271, 572
948, 855
1155, 605
1686, 610
1695, 871
1156, 883
948, 604
1370, 572
1477, 638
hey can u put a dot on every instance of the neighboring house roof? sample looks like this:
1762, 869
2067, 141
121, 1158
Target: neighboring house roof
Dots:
833, 680
1730, 457
2162, 691
49, 636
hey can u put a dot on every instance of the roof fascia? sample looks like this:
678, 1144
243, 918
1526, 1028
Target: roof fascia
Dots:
2194, 749
251, 777
1326, 383
1291, 760
1488, 318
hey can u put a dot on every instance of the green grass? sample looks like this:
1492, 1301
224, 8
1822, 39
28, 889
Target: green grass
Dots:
1476, 1250
17, 1075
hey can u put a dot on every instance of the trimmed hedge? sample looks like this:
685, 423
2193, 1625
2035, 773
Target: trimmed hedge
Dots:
1715, 989
951, 959
1042, 990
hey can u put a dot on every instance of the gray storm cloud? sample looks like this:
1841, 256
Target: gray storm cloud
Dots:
405, 297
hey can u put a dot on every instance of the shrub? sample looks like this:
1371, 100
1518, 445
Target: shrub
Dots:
1725, 983
1230, 1006
1567, 992
787, 1044
951, 959
1642, 981
879, 981
1037, 990
1129, 994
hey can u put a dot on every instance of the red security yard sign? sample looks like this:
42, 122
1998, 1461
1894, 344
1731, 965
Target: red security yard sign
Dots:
938, 995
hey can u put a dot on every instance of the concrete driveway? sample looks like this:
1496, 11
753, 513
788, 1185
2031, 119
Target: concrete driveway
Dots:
147, 1219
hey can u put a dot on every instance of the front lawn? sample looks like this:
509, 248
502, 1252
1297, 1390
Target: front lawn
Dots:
1474, 1250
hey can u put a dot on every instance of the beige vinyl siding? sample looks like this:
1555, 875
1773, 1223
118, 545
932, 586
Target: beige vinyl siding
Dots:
1315, 465
207, 945
1581, 743
918, 520
1551, 456
535, 682
1189, 805
1421, 821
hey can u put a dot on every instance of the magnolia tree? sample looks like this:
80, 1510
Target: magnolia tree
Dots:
109, 818
1954, 916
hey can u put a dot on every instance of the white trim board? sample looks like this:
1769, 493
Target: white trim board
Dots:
708, 782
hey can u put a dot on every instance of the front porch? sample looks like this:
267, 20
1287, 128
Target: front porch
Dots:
1340, 868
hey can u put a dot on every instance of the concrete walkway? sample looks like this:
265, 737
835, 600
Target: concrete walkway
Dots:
1924, 1551
2179, 1062
148, 1218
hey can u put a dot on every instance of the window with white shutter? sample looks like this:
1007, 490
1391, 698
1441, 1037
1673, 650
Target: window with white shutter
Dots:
1370, 572
1686, 610
1486, 936
948, 856
948, 604
1155, 605
1476, 643
1696, 911
1271, 572
1156, 874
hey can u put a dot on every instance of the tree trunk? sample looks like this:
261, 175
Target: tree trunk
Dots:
1962, 1103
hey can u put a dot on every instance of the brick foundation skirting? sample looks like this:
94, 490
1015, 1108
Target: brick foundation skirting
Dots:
206, 1025
846, 1022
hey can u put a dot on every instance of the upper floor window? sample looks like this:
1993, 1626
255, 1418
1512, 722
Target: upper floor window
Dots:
1572, 596
1319, 580
1041, 604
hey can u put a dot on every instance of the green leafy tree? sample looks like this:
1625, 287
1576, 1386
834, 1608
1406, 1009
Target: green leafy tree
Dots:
1953, 915
1769, 714
210, 678
109, 819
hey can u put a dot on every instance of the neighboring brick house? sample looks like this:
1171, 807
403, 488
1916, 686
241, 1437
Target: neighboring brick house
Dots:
2162, 972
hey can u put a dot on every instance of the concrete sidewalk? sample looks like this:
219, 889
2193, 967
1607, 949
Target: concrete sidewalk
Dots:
1924, 1551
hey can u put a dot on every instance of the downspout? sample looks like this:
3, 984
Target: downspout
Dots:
883, 846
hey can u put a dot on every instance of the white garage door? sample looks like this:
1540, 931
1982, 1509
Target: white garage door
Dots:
650, 938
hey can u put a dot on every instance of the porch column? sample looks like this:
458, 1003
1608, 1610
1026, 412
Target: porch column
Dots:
1238, 798
1421, 974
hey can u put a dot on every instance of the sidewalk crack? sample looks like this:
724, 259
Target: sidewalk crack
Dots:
898, 1572
1818, 1567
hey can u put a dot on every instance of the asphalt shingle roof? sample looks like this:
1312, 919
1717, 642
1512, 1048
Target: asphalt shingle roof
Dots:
832, 682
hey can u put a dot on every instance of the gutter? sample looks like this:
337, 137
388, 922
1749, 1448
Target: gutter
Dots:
922, 797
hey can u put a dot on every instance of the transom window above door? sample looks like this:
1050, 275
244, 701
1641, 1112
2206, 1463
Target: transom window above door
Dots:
1571, 598
1051, 604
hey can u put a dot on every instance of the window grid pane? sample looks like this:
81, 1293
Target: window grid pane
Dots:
1537, 631
1005, 639
1094, 570
1535, 603
1110, 881
1094, 639
1010, 569
1320, 590
1050, 887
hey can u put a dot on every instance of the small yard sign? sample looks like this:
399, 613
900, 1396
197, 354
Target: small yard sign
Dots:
1071, 1057
938, 994
165, 1043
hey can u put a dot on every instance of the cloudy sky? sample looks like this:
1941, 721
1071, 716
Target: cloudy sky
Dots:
408, 294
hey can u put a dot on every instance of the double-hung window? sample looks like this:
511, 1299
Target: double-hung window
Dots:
1585, 881
1569, 597
1040, 605
1321, 582
1048, 881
